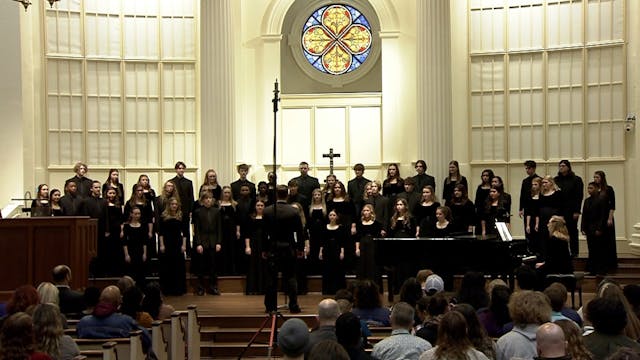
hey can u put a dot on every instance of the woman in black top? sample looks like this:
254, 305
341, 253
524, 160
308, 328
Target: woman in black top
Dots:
454, 178
254, 233
494, 211
425, 211
113, 182
367, 229
558, 257
135, 246
54, 201
40, 206
462, 210
393, 184
606, 191
531, 209
482, 193
332, 255
442, 227
550, 204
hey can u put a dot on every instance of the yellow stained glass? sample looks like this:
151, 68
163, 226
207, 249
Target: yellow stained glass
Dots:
337, 60
357, 39
336, 18
316, 40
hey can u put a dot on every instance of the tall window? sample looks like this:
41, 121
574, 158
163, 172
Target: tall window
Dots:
121, 83
547, 79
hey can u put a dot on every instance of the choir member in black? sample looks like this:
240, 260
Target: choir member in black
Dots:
136, 236
210, 184
454, 178
281, 249
367, 229
207, 241
595, 213
254, 233
411, 194
271, 185
93, 205
232, 247
302, 263
245, 204
506, 197
572, 191
550, 204
495, 210
295, 196
113, 182
341, 203
425, 211
82, 182
149, 193
331, 254
113, 256
70, 202
380, 205
393, 184
315, 225
531, 212
421, 178
54, 199
139, 200
463, 213
184, 187
243, 170
329, 183
558, 257
173, 244
482, 193
525, 189
306, 183
168, 192
443, 225
40, 206
609, 237
355, 187
401, 225
264, 194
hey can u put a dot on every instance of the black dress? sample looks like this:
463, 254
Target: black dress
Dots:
558, 259
463, 216
611, 252
257, 266
135, 238
391, 190
425, 215
40, 208
112, 256
531, 209
550, 205
493, 214
172, 271
365, 233
481, 198
449, 186
333, 276
316, 224
347, 214
230, 255
595, 214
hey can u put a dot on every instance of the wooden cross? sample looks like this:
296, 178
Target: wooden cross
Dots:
331, 155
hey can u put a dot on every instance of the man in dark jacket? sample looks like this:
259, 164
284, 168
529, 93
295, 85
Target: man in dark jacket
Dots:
284, 243
184, 187
207, 239
572, 190
71, 302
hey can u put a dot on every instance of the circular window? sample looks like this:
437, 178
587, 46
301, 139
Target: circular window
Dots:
336, 39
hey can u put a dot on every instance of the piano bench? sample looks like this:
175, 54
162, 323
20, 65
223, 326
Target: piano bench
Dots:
573, 283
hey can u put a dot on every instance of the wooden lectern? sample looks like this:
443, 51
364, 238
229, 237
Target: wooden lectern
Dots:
31, 247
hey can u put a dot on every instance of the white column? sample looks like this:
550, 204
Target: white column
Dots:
217, 84
434, 118
633, 106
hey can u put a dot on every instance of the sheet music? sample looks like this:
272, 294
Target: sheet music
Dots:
503, 231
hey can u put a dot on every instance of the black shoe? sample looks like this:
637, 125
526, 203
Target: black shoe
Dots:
200, 291
295, 309
214, 291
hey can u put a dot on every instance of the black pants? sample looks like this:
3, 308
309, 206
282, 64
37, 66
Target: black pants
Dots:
205, 264
281, 261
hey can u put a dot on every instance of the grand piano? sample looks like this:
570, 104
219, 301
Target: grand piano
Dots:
451, 255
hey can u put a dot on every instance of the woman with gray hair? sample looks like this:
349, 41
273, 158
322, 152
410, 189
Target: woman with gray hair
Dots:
50, 338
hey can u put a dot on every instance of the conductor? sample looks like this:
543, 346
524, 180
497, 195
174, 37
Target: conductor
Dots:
284, 242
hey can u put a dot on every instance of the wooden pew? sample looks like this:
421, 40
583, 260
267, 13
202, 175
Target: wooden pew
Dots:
176, 338
125, 348
193, 333
158, 341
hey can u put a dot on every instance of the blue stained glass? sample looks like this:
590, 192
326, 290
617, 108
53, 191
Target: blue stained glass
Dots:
323, 43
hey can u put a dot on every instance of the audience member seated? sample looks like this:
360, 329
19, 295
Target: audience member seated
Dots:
401, 344
473, 290
49, 334
422, 276
124, 283
24, 299
349, 335
453, 341
550, 343
293, 339
49, 294
328, 349
575, 343
438, 306
433, 284
495, 318
132, 306
153, 302
625, 353
609, 318
476, 333
610, 289
70, 301
557, 294
328, 312
344, 298
17, 340
528, 310
411, 292
527, 278
106, 322
368, 304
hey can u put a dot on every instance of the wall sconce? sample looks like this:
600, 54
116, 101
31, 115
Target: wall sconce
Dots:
26, 3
